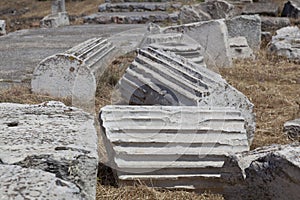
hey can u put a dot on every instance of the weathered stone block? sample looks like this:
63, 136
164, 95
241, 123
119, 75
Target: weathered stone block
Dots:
59, 16
74, 73
53, 138
274, 23
23, 183
212, 36
266, 173
160, 78
285, 43
240, 48
292, 129
248, 27
291, 9
172, 146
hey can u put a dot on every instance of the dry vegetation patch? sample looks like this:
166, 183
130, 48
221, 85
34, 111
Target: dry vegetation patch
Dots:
273, 85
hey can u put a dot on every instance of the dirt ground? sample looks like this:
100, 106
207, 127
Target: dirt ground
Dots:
271, 83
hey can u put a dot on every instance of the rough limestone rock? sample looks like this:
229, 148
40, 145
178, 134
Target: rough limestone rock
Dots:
239, 48
271, 172
212, 36
172, 146
285, 43
2, 27
292, 129
261, 8
53, 138
193, 13
291, 9
218, 9
274, 23
248, 26
134, 6
157, 77
22, 183
205, 11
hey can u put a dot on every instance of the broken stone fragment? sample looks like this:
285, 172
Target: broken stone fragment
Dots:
172, 146
23, 183
291, 9
248, 26
271, 172
212, 36
261, 8
157, 77
53, 138
286, 43
240, 48
292, 129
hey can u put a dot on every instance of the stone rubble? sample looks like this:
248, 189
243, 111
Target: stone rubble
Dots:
55, 145
205, 11
2, 27
134, 12
59, 16
240, 48
291, 9
292, 129
286, 43
274, 23
271, 172
248, 26
212, 36
160, 78
172, 147
261, 8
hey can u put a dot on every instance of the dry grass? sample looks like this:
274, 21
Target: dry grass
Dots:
273, 85
143, 192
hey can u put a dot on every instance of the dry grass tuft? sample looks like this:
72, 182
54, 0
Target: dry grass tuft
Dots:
273, 85
23, 95
143, 192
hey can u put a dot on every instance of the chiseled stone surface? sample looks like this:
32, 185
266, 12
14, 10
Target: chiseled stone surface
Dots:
248, 26
22, 183
271, 172
212, 36
172, 146
51, 137
292, 129
157, 77
285, 43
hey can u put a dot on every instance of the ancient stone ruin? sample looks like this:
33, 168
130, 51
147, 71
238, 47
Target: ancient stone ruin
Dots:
285, 43
75, 72
172, 147
49, 149
271, 172
58, 17
160, 78
292, 129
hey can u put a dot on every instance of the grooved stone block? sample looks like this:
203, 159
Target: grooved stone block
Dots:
212, 36
172, 146
157, 77
54, 138
75, 72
